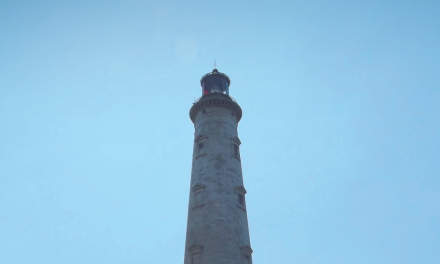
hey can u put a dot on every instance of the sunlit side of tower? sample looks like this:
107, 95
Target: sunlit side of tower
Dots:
217, 228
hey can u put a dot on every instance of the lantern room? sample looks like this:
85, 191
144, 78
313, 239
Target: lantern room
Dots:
215, 82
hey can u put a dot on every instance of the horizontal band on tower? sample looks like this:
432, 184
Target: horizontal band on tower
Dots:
215, 99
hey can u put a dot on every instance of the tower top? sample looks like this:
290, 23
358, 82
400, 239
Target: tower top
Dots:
215, 82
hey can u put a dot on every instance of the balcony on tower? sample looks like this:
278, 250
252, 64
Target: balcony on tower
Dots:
215, 92
215, 82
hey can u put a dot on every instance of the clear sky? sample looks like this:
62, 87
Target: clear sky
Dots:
340, 128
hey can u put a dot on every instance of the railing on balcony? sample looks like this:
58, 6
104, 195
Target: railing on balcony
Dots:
198, 99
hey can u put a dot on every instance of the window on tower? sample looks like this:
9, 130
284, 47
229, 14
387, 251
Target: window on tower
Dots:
241, 199
196, 254
241, 191
198, 195
195, 258
247, 254
235, 144
236, 150
200, 146
247, 259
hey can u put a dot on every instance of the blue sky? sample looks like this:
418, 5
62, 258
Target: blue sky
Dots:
340, 128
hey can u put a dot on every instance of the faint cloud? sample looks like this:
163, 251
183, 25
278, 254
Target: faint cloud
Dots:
186, 49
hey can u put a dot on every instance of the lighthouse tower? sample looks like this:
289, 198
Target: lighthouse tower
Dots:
217, 228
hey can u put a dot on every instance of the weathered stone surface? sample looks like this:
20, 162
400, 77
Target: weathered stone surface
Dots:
217, 228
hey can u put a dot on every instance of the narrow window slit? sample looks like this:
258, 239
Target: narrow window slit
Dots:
241, 199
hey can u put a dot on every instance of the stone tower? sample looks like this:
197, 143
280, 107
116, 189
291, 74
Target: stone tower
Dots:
217, 228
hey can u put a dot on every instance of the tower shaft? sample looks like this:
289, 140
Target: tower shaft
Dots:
217, 228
